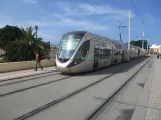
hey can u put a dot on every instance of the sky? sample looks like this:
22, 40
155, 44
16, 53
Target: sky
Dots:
102, 17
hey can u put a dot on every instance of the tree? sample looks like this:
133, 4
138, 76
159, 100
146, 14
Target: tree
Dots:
35, 44
21, 44
9, 34
18, 51
139, 43
25, 48
0, 39
36, 28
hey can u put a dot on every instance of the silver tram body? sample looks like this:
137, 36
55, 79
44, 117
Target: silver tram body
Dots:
82, 51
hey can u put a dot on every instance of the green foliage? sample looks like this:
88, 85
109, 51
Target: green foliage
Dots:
36, 28
23, 46
18, 51
139, 43
2, 55
9, 34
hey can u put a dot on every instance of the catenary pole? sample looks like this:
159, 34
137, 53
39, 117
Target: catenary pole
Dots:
129, 34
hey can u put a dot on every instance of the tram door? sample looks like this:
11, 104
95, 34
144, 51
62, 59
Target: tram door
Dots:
96, 54
123, 53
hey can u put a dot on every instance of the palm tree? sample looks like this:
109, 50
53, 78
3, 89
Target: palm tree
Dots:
29, 37
36, 28
25, 47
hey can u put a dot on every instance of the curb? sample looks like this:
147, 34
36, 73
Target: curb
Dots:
7, 79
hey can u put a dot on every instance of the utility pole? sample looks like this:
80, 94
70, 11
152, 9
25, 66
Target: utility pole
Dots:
129, 34
143, 19
143, 41
120, 32
148, 45
121, 26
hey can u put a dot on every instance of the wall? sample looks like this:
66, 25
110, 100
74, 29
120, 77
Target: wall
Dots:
13, 66
53, 53
155, 50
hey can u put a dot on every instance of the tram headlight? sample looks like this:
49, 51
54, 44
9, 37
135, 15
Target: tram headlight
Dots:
74, 62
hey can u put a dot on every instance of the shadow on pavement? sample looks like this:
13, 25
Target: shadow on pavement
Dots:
141, 84
119, 68
125, 114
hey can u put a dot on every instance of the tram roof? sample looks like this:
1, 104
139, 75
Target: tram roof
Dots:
117, 41
84, 32
76, 32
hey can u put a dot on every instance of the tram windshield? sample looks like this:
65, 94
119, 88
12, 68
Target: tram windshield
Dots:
68, 45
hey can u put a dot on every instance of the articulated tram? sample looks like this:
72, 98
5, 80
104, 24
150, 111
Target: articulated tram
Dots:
82, 51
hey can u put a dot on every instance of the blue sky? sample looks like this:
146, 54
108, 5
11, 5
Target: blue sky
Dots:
56, 17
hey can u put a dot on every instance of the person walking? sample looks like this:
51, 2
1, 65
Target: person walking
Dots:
157, 55
38, 60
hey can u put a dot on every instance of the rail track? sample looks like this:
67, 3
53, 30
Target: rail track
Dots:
107, 101
34, 86
54, 102
15, 78
13, 81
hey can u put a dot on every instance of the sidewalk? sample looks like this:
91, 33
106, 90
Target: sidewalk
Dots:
154, 104
25, 73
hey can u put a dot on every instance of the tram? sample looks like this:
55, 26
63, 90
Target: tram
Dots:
82, 51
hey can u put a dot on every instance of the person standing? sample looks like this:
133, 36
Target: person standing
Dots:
38, 60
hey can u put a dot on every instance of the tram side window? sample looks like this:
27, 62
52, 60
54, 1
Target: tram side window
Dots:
138, 52
96, 49
119, 50
83, 51
105, 50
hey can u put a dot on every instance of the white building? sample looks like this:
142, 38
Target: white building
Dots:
155, 48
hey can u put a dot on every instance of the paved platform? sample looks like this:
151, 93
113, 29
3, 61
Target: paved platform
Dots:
141, 99
154, 104
25, 73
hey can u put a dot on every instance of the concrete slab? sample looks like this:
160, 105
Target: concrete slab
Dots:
154, 105
24, 73
142, 104
15, 105
123, 105
81, 105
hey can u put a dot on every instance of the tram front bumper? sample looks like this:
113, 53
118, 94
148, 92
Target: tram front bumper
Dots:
63, 70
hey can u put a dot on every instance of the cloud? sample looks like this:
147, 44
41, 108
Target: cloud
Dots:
53, 37
82, 24
7, 20
68, 22
2, 17
58, 22
87, 9
31, 1
40, 23
63, 24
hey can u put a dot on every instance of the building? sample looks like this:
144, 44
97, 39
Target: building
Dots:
54, 46
155, 49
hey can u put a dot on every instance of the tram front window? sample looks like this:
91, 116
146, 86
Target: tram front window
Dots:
67, 47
